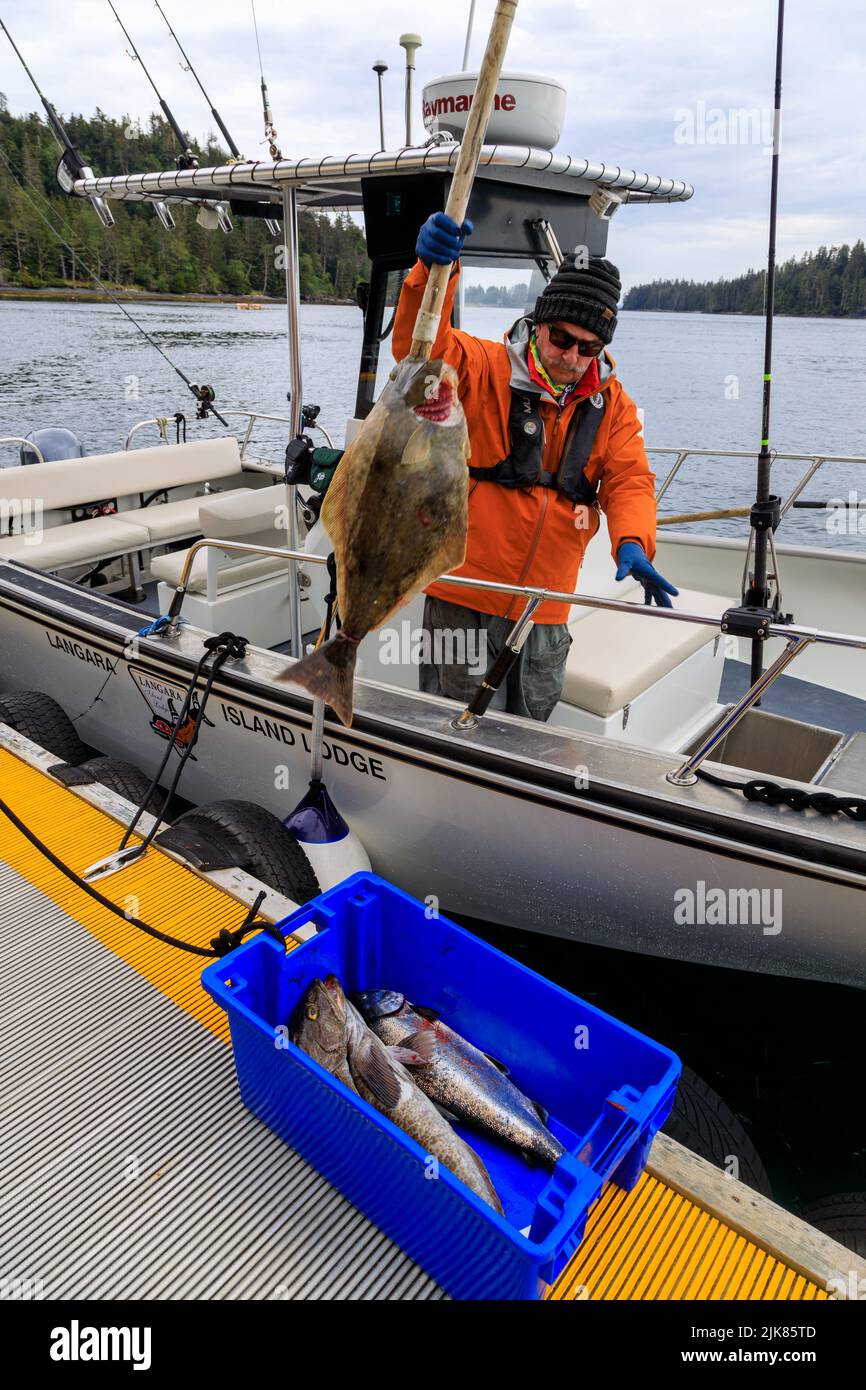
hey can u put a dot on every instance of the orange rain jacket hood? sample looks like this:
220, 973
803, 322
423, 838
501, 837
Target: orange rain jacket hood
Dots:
533, 535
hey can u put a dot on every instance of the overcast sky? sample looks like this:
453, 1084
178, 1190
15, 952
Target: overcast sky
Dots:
645, 81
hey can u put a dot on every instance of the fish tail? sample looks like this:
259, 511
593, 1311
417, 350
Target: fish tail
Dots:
329, 674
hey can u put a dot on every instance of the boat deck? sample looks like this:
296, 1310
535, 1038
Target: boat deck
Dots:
133, 1170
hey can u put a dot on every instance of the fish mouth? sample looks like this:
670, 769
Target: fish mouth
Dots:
336, 995
439, 407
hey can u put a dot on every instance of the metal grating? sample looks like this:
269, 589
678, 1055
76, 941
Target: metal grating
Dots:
131, 1168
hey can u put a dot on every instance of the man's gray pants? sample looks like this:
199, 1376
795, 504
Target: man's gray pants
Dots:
460, 644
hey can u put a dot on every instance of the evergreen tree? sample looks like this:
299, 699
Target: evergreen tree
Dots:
136, 253
825, 282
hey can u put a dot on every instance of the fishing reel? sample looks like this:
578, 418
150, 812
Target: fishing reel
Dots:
205, 396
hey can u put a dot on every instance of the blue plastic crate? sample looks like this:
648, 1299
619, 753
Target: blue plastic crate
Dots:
607, 1087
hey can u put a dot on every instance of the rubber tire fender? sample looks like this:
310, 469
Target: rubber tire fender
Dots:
267, 850
842, 1217
704, 1123
42, 719
127, 780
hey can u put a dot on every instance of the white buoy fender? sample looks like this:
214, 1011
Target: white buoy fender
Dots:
333, 849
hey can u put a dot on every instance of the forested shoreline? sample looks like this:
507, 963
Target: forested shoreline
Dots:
137, 253
827, 283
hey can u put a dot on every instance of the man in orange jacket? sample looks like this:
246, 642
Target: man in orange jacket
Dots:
553, 437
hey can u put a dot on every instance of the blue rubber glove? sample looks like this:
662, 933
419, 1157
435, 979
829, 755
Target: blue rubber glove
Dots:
441, 240
631, 560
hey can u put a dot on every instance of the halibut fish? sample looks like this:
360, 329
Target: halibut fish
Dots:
396, 513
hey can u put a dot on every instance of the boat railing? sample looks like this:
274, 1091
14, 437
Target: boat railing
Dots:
795, 637
813, 461
251, 416
19, 439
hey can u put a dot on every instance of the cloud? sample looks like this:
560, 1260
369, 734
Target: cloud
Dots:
629, 70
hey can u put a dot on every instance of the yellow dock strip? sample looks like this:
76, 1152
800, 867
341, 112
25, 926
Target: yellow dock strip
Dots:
650, 1243
653, 1243
159, 891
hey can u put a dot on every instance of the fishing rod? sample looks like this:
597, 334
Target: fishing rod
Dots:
235, 152
766, 511
270, 132
71, 166
186, 160
270, 223
205, 395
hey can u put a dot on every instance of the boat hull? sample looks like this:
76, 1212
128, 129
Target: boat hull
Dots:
518, 824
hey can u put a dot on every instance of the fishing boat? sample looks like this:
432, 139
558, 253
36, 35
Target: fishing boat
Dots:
619, 825
687, 799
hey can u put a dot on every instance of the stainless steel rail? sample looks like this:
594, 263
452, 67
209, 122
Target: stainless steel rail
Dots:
318, 175
795, 637
815, 462
17, 439
667, 615
250, 415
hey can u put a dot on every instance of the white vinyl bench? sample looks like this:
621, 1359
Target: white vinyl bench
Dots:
626, 672
38, 492
246, 593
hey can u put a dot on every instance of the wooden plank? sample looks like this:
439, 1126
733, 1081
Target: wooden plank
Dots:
820, 1258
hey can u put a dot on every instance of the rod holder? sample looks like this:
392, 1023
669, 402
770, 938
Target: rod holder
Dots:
498, 669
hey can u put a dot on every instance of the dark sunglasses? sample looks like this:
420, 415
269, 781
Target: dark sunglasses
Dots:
560, 339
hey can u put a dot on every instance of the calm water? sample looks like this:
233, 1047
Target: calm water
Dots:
788, 1059
698, 378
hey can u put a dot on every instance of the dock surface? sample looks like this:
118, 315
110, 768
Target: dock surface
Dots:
133, 1171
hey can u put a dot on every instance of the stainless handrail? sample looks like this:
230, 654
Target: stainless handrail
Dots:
815, 461
687, 774
796, 638
251, 415
160, 420
18, 439
611, 605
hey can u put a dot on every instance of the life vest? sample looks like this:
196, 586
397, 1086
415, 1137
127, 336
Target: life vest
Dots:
522, 466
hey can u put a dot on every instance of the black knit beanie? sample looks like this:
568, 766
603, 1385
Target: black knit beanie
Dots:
583, 295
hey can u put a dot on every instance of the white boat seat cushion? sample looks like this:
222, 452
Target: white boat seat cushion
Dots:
168, 568
259, 513
72, 482
166, 521
76, 543
616, 656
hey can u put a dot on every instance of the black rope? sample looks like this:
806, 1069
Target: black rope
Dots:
220, 945
331, 596
772, 794
220, 648
100, 897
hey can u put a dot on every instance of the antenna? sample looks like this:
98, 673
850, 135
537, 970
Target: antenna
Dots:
380, 68
71, 166
468, 34
187, 159
411, 43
